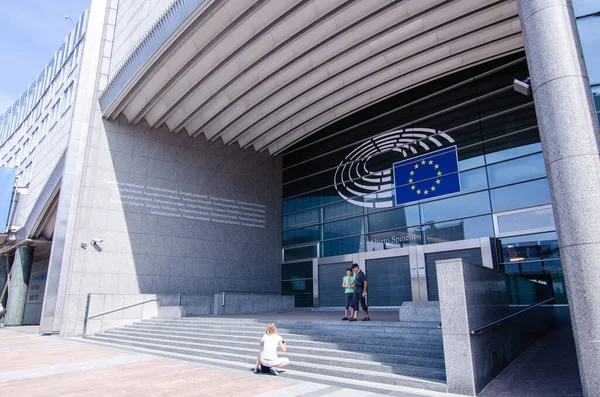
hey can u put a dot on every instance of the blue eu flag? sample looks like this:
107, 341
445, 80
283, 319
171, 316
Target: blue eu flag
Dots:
430, 175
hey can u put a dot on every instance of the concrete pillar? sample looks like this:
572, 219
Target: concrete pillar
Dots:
569, 132
17, 287
3, 277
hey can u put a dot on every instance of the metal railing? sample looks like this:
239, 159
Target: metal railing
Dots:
87, 308
483, 328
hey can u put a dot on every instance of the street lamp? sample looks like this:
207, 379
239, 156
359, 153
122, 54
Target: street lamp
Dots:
70, 20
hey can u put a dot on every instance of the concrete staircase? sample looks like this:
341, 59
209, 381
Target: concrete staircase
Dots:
404, 354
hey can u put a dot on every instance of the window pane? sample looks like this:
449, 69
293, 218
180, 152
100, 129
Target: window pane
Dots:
518, 170
291, 271
529, 247
524, 221
523, 195
300, 219
291, 254
300, 236
456, 207
341, 209
347, 227
463, 229
585, 7
343, 246
394, 239
589, 33
473, 180
513, 152
394, 219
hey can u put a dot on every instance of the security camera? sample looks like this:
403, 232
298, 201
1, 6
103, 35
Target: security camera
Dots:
522, 87
97, 240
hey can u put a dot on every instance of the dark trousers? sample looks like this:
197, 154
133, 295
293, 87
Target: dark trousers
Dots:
359, 298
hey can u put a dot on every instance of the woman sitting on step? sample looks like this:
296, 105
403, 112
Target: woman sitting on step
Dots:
268, 353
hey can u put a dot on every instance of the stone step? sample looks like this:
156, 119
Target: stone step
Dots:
340, 333
310, 323
226, 345
407, 349
363, 380
289, 327
303, 362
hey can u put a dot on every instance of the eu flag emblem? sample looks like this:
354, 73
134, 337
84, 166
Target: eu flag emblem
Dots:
430, 175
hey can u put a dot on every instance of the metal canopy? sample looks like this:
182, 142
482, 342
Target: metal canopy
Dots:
268, 73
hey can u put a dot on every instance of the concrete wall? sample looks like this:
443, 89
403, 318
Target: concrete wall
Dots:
134, 19
471, 297
243, 303
135, 188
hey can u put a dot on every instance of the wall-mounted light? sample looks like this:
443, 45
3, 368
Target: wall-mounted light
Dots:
523, 87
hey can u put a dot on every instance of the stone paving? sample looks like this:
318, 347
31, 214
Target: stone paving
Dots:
33, 365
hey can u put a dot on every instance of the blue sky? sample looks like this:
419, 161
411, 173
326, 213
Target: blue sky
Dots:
30, 32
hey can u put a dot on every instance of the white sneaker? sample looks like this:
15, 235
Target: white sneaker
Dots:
274, 371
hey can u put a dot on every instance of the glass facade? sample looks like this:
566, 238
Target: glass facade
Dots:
587, 13
339, 193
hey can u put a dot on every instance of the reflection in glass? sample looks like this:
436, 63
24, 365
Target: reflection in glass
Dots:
589, 34
585, 7
291, 254
299, 270
462, 229
455, 207
300, 236
347, 227
523, 195
343, 246
299, 219
513, 152
394, 239
473, 180
394, 219
518, 170
523, 221
340, 209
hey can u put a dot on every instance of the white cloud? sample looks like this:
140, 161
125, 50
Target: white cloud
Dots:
5, 102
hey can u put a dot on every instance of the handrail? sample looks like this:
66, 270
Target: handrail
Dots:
479, 330
122, 307
88, 317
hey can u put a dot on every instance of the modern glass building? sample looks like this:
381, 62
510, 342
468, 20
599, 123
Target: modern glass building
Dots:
340, 199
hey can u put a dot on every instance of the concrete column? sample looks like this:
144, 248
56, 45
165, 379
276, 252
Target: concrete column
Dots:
17, 287
3, 277
569, 132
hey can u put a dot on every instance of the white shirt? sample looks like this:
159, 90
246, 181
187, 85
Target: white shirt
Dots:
270, 343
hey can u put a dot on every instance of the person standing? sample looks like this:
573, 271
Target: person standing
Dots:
348, 284
360, 292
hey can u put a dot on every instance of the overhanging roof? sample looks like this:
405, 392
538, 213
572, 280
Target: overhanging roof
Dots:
267, 73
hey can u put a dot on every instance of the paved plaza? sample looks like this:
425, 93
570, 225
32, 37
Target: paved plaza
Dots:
34, 365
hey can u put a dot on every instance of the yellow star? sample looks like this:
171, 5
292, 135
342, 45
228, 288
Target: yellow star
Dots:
412, 173
412, 187
426, 192
436, 166
433, 188
416, 165
423, 162
418, 191
438, 181
439, 173
430, 162
410, 180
